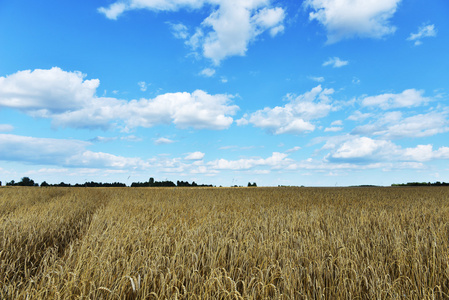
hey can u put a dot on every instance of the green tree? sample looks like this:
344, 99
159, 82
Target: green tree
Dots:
26, 181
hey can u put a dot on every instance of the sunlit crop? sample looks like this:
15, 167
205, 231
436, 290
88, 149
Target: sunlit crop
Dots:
224, 243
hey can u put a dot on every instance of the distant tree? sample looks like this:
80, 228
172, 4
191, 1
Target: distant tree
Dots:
44, 183
26, 181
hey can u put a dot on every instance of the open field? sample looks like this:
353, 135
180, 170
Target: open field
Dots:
224, 243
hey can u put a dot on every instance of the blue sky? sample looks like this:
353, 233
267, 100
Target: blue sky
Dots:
224, 92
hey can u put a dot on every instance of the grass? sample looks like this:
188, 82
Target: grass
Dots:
224, 243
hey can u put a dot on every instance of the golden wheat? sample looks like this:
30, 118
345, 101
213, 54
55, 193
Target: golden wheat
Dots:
224, 243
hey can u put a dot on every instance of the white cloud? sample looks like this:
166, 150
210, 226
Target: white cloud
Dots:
337, 123
392, 125
235, 24
348, 152
62, 152
197, 110
195, 156
333, 129
418, 126
364, 148
294, 149
114, 10
276, 160
269, 18
163, 141
195, 40
345, 19
47, 91
38, 150
105, 160
70, 101
6, 128
335, 62
227, 31
295, 116
143, 85
179, 30
359, 116
131, 138
317, 79
208, 72
425, 153
423, 31
408, 98
276, 30
204, 170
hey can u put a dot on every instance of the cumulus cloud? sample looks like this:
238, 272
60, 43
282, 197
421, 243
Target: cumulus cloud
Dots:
408, 98
227, 31
335, 62
47, 91
345, 19
423, 31
295, 116
70, 101
366, 150
197, 110
425, 153
195, 156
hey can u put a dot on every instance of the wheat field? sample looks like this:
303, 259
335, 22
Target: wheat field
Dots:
224, 243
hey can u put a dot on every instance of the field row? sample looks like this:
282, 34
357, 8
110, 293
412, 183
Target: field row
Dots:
220, 243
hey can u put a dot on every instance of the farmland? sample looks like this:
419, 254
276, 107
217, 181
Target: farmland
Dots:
224, 243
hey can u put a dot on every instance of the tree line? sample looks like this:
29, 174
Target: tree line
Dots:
26, 181
438, 183
152, 183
